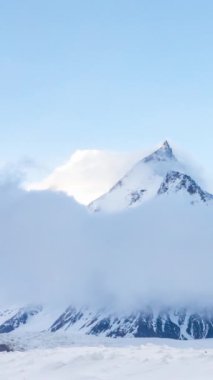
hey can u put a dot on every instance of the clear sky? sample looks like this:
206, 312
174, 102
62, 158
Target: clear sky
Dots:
113, 74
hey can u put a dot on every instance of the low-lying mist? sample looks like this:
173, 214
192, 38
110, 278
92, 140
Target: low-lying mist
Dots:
53, 250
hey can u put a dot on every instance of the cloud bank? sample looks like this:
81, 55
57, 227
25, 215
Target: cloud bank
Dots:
53, 250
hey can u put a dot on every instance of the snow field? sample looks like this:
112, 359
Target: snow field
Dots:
147, 362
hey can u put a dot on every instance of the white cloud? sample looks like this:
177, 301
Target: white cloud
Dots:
88, 174
52, 249
49, 242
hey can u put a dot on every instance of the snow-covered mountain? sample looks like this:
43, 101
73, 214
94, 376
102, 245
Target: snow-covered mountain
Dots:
175, 182
14, 317
158, 173
170, 323
163, 323
69, 255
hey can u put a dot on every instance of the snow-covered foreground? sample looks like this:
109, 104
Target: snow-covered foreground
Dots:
64, 358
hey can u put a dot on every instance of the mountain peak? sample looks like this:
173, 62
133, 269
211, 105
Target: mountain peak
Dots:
166, 148
166, 145
140, 183
164, 153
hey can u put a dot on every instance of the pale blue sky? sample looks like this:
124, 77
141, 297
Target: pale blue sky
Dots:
113, 74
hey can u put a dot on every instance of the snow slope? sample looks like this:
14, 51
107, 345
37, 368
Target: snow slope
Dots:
101, 360
12, 319
176, 182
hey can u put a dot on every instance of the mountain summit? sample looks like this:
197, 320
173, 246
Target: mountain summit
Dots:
164, 153
157, 174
